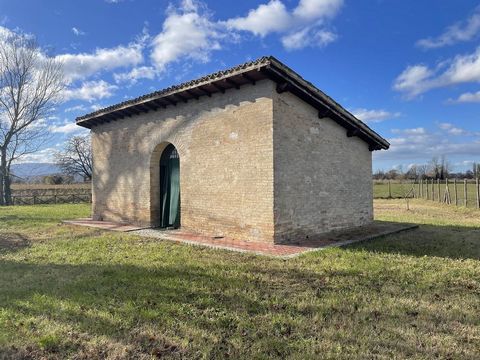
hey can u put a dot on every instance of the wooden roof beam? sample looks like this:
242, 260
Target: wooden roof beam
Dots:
218, 87
233, 83
283, 87
325, 112
142, 107
124, 112
159, 103
183, 98
353, 132
205, 91
151, 105
195, 96
249, 78
173, 102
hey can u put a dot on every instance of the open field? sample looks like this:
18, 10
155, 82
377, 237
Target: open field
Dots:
18, 187
69, 292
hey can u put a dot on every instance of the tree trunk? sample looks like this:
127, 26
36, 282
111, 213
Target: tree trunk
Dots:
3, 175
7, 191
1, 187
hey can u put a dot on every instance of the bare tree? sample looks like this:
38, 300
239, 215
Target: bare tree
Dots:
76, 158
30, 86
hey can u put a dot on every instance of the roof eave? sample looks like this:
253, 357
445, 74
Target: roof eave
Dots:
286, 79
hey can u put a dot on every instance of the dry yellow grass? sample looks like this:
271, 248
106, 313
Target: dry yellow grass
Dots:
46, 186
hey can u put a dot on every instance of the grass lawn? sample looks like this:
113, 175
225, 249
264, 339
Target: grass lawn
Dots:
68, 292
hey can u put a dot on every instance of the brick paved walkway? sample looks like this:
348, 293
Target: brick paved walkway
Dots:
340, 238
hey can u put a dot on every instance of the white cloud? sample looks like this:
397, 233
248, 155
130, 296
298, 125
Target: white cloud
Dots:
459, 32
66, 128
317, 9
417, 79
374, 115
413, 131
81, 66
308, 37
77, 31
267, 18
132, 76
76, 108
40, 156
420, 143
304, 26
451, 129
413, 80
186, 33
468, 97
90, 91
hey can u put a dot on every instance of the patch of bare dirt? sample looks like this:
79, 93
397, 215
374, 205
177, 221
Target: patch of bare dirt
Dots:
13, 241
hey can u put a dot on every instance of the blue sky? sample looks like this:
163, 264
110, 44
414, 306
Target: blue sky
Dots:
410, 69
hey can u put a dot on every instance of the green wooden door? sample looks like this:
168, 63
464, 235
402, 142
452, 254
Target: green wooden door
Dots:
170, 188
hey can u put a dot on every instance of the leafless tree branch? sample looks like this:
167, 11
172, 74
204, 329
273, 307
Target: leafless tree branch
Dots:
30, 87
76, 158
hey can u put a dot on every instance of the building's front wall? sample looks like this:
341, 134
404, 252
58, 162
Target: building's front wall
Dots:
254, 165
225, 144
323, 179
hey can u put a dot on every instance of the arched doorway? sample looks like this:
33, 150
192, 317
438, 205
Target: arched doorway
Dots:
170, 188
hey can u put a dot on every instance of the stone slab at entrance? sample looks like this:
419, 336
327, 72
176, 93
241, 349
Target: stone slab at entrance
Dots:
104, 225
333, 239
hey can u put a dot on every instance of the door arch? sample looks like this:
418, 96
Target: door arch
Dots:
169, 188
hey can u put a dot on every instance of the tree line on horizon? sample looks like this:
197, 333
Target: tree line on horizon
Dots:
437, 168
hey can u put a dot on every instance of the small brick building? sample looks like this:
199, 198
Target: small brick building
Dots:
254, 152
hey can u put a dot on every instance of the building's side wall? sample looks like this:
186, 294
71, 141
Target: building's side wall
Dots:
323, 179
225, 145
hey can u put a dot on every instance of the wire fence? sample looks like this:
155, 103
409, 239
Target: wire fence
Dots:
48, 195
449, 191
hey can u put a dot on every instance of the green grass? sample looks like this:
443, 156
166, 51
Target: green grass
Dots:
68, 292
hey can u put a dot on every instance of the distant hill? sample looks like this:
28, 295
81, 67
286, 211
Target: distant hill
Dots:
29, 170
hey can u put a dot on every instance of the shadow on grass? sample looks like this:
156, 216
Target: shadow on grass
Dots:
454, 242
217, 304
114, 300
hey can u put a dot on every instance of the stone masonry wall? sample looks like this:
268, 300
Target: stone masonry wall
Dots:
225, 143
323, 179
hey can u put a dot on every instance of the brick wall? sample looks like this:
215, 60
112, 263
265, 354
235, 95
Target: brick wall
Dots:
323, 179
254, 165
225, 144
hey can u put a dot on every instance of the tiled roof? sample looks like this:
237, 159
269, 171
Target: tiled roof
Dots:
185, 85
249, 72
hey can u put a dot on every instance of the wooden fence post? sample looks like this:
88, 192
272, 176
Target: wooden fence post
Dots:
478, 193
465, 202
438, 188
447, 193
389, 189
455, 191
433, 189
427, 192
